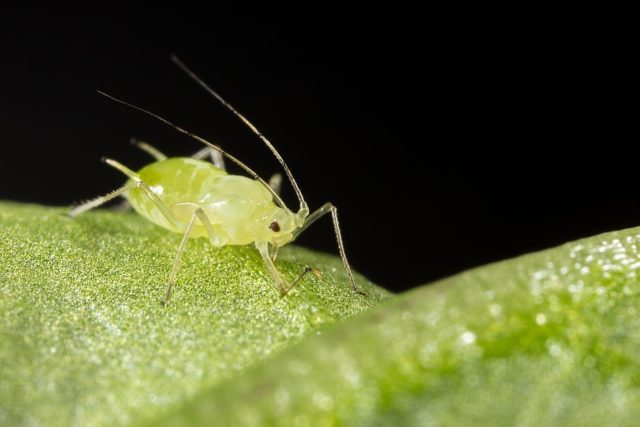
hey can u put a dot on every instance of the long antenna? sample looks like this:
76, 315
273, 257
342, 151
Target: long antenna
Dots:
183, 67
201, 140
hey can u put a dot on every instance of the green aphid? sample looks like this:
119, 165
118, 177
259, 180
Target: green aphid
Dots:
195, 198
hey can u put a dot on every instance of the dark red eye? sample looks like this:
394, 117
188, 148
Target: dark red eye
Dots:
274, 226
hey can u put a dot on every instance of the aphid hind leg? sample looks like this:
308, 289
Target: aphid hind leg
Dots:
140, 184
313, 217
137, 183
94, 203
216, 157
148, 148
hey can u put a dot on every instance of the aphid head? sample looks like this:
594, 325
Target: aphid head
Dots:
279, 226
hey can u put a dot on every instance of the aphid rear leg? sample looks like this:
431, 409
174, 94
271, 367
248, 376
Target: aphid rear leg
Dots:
149, 149
94, 203
313, 217
216, 157
140, 184
137, 182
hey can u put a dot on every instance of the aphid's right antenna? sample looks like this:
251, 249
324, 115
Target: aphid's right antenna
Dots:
183, 67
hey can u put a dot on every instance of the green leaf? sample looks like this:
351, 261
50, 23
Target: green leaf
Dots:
551, 338
85, 341
547, 339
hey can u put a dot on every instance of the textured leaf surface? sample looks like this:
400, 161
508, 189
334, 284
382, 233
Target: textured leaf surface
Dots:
84, 340
547, 339
551, 338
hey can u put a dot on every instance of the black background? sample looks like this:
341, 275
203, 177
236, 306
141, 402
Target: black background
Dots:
447, 140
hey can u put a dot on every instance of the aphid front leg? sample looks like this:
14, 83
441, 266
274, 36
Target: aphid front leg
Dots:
263, 248
274, 253
283, 287
313, 217
306, 271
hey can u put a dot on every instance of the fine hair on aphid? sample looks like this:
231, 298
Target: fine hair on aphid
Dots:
199, 198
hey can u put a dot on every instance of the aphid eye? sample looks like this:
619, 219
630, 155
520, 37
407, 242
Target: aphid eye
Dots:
274, 226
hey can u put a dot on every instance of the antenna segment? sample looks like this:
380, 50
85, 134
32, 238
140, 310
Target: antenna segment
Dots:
201, 140
183, 67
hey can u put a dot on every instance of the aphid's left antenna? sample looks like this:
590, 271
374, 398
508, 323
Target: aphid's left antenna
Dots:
179, 63
201, 140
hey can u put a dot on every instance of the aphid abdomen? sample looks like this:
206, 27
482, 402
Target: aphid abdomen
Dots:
175, 181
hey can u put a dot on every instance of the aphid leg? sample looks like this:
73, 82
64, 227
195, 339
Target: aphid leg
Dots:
204, 219
216, 157
176, 262
140, 184
149, 149
213, 239
199, 213
263, 248
313, 217
283, 288
293, 284
137, 182
274, 253
275, 182
94, 203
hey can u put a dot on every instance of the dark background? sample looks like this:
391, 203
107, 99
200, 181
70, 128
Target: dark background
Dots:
447, 140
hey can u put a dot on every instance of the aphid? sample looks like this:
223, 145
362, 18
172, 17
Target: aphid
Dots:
196, 198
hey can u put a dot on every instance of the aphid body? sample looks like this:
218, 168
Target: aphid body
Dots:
196, 198
241, 210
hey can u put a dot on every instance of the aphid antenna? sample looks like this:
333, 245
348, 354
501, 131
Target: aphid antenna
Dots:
192, 135
254, 129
